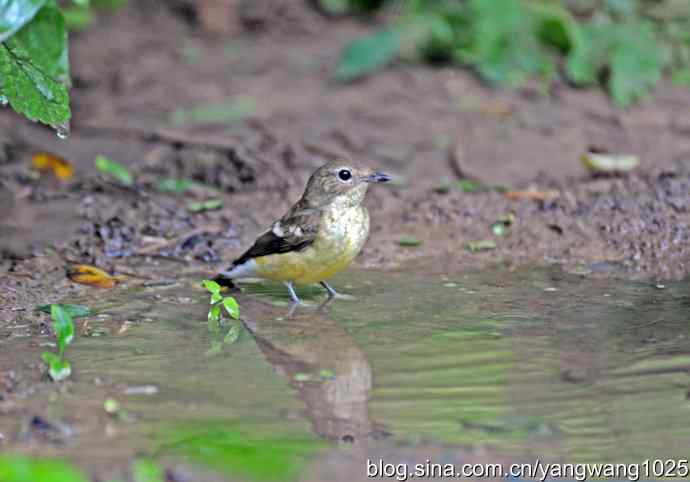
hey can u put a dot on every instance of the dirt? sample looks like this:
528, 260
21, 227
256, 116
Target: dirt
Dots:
141, 98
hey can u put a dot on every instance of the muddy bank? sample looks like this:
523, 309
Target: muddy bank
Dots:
249, 121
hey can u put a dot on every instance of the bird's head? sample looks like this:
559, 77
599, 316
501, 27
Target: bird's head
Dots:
340, 181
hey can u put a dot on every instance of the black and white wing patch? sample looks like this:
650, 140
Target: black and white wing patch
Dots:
294, 232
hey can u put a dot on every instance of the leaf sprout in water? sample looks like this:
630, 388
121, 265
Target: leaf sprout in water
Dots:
221, 305
63, 326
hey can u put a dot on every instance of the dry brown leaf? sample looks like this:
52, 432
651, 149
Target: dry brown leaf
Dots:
532, 195
61, 168
90, 275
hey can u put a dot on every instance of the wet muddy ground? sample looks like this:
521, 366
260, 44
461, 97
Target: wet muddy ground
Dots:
248, 118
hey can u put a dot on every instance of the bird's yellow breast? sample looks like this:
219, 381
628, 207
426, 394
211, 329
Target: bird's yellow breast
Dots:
341, 235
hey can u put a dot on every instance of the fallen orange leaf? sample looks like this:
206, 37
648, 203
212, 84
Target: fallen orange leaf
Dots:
90, 275
44, 161
532, 195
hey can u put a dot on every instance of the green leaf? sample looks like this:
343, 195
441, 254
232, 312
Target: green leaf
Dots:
635, 65
211, 286
58, 369
410, 241
63, 326
33, 65
503, 43
75, 311
630, 53
588, 56
556, 28
232, 335
210, 205
214, 314
231, 306
470, 186
50, 358
174, 185
45, 38
215, 298
114, 169
20, 468
14, 14
369, 54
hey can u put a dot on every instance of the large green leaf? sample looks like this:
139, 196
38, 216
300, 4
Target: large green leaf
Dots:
45, 38
588, 57
369, 54
33, 66
14, 14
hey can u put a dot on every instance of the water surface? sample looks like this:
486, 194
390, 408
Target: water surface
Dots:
484, 365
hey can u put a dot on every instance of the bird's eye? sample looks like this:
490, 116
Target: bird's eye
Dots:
344, 175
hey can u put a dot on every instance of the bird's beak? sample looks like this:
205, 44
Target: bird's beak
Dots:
377, 177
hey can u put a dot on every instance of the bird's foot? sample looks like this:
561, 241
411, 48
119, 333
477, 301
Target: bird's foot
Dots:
333, 294
293, 296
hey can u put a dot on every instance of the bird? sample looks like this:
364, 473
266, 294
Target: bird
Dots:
318, 237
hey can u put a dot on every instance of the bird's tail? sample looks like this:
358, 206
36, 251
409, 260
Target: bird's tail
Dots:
225, 282
242, 270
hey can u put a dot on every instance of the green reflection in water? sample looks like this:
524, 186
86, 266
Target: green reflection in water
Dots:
26, 469
227, 446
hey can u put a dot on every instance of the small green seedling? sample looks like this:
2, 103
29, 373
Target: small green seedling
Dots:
63, 326
220, 304
174, 185
409, 241
209, 205
114, 170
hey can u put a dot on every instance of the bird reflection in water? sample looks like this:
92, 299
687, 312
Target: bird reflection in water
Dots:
304, 344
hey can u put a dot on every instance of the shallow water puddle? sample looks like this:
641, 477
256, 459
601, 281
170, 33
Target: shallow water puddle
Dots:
514, 364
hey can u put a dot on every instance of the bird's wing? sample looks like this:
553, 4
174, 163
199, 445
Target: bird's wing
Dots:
293, 232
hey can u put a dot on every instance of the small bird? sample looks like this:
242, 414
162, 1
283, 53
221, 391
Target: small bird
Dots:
318, 237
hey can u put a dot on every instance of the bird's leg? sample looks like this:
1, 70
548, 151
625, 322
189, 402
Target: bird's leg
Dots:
293, 296
332, 293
